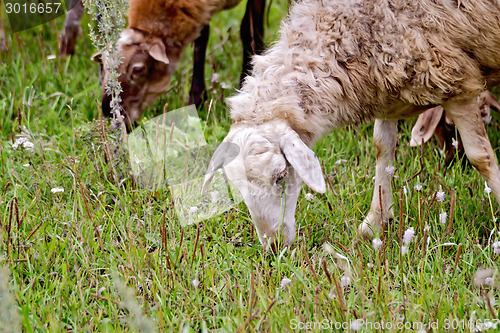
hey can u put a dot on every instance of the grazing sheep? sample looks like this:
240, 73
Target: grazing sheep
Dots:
157, 34
341, 62
434, 121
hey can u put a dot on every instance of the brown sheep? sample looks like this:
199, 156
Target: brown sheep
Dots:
157, 34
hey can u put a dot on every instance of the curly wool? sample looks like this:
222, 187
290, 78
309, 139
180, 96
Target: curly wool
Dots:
341, 62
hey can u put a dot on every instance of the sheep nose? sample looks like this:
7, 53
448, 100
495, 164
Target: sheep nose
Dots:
106, 105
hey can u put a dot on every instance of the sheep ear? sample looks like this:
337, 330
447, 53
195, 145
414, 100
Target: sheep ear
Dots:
425, 126
158, 52
303, 160
224, 154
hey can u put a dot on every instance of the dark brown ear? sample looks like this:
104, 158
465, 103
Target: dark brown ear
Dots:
426, 125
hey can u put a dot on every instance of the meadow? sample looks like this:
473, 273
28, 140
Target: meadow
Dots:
83, 248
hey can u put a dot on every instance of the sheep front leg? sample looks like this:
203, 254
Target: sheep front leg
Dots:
384, 139
198, 92
467, 119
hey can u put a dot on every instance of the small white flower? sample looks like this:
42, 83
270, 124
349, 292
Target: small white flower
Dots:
193, 209
442, 217
225, 85
404, 249
370, 265
345, 281
408, 236
331, 295
487, 190
440, 196
24, 143
488, 281
28, 145
57, 190
389, 170
309, 196
496, 247
26, 165
454, 143
51, 57
215, 77
377, 243
285, 282
195, 282
418, 187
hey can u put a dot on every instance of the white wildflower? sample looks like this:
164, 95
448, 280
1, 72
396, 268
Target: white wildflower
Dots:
408, 236
309, 196
370, 265
442, 217
26, 165
225, 85
193, 209
487, 189
195, 282
285, 282
28, 145
377, 243
51, 57
389, 170
404, 250
345, 281
215, 77
440, 196
454, 143
331, 295
418, 187
24, 143
57, 190
496, 247
488, 281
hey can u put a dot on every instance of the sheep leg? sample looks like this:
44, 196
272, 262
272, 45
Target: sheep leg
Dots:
384, 139
467, 119
252, 34
198, 92
71, 29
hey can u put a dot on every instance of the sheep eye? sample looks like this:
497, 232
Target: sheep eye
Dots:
281, 176
138, 71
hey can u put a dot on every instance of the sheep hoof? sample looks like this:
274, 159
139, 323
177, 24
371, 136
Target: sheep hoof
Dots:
373, 224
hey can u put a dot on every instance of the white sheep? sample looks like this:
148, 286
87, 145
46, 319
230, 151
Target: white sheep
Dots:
340, 62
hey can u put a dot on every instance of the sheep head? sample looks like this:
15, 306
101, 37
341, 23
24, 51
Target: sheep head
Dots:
271, 164
144, 72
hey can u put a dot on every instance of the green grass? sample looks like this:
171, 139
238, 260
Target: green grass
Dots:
105, 255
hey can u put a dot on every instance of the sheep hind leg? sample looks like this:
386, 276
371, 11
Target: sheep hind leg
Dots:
71, 29
384, 139
467, 119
